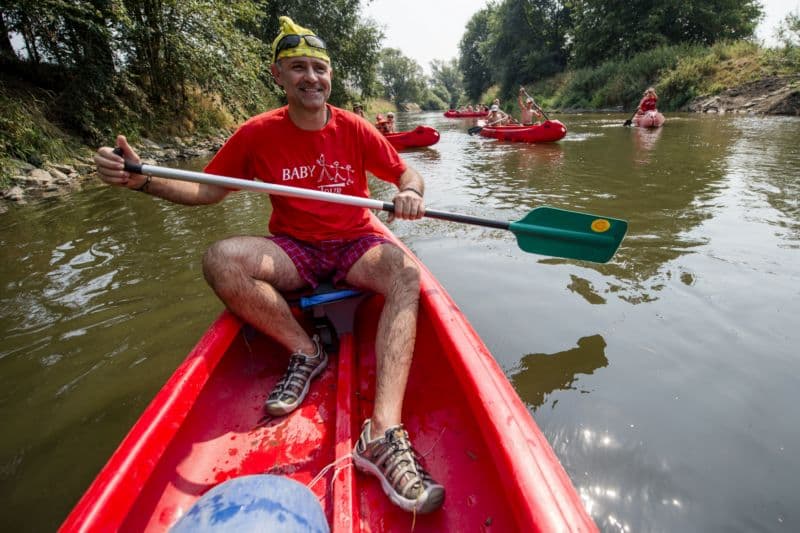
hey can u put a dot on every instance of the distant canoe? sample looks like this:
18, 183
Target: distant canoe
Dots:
547, 131
416, 138
465, 114
650, 119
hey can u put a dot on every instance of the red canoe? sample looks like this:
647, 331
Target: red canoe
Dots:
650, 119
418, 137
465, 114
547, 131
206, 426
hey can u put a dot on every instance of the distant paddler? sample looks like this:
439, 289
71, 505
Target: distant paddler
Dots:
527, 109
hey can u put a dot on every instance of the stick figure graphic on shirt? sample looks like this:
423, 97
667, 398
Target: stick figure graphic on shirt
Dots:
331, 176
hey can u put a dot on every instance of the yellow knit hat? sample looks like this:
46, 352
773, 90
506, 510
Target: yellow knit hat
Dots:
303, 48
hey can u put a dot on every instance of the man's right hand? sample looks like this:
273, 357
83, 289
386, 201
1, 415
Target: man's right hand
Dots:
111, 168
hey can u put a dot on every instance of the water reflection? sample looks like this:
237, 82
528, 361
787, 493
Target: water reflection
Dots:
645, 139
665, 182
428, 154
772, 170
538, 375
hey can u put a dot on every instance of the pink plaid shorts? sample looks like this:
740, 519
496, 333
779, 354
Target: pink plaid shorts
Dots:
326, 260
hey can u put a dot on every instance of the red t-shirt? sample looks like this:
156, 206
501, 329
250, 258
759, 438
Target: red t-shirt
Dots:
270, 148
648, 103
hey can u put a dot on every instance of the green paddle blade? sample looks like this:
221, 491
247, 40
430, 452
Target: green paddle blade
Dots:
559, 233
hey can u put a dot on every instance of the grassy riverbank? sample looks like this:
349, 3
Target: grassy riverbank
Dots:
26, 134
679, 74
31, 132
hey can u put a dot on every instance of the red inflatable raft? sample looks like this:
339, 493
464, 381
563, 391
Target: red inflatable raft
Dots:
465, 114
649, 119
207, 425
547, 131
418, 137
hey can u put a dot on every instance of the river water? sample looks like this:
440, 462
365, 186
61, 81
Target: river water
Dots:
664, 380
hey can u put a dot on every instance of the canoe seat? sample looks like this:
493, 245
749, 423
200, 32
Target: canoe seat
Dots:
321, 302
316, 304
326, 294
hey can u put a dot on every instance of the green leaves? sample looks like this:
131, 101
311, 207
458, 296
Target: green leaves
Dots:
606, 29
401, 76
144, 64
514, 43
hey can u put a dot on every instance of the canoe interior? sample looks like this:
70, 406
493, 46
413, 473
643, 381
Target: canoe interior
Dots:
224, 436
206, 425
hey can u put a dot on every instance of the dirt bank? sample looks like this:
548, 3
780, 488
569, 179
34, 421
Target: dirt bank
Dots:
775, 95
59, 178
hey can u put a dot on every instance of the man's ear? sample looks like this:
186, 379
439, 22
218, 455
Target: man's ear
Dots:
276, 73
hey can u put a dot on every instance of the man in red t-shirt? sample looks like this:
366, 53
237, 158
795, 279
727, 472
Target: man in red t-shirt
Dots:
313, 145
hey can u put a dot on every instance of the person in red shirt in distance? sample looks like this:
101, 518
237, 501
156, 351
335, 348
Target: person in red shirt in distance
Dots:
648, 101
313, 145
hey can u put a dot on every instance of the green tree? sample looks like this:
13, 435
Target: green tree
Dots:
402, 77
604, 29
136, 64
446, 81
67, 49
474, 65
526, 42
789, 30
179, 45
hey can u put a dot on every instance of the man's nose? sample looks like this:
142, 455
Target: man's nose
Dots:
310, 74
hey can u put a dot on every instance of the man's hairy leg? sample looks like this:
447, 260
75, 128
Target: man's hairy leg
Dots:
387, 270
248, 273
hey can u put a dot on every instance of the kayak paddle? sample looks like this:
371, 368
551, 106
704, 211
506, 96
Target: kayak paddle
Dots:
545, 230
630, 120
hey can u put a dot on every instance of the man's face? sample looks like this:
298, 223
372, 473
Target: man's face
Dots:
306, 80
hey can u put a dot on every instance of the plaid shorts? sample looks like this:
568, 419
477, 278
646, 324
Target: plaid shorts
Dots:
326, 260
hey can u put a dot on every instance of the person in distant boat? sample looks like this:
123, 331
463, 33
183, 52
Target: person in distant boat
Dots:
301, 145
358, 109
528, 113
496, 117
390, 125
648, 101
382, 124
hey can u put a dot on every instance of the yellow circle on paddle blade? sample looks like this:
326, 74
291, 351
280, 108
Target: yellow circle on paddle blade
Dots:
600, 225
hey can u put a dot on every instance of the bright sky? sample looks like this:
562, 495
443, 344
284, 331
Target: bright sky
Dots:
425, 30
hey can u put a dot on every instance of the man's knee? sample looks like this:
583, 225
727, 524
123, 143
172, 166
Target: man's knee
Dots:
406, 279
216, 259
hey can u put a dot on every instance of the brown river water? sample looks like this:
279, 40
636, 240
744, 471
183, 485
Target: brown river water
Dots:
664, 380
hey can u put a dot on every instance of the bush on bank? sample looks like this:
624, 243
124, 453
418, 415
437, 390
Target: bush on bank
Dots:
678, 73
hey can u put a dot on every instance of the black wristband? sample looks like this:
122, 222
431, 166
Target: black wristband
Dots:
143, 186
412, 189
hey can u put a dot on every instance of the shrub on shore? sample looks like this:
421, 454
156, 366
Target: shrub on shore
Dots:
678, 73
